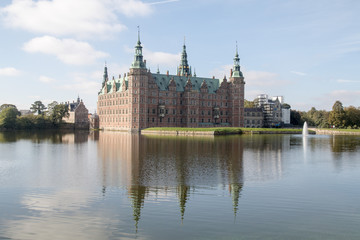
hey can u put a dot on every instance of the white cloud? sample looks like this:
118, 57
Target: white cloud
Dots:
68, 51
221, 71
163, 2
298, 73
162, 59
82, 84
9, 72
45, 79
132, 8
81, 18
347, 97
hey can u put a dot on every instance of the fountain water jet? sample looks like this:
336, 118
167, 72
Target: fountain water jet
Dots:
305, 131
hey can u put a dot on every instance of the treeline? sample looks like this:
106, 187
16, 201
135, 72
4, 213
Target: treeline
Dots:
338, 117
10, 117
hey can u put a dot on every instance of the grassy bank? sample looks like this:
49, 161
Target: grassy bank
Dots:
229, 130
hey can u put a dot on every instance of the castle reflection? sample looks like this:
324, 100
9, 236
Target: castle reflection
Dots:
180, 165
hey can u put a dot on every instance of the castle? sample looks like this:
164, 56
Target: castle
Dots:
141, 99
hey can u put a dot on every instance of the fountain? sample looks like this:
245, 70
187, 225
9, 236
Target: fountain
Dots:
305, 131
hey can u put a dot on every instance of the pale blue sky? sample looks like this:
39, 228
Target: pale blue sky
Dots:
307, 51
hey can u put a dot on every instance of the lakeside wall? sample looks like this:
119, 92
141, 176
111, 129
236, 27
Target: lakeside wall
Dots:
333, 132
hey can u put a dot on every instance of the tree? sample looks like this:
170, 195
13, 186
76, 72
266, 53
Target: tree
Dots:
38, 107
51, 107
337, 115
59, 112
8, 117
295, 118
2, 107
249, 104
352, 117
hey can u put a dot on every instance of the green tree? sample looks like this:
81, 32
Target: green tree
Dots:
249, 104
295, 118
352, 117
8, 117
58, 112
51, 107
6, 105
337, 116
38, 107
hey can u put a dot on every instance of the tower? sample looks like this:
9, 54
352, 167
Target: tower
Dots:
237, 86
184, 69
138, 89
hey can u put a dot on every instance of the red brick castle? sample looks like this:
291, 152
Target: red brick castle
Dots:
141, 99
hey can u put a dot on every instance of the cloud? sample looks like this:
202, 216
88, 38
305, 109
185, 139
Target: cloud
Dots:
299, 73
162, 59
347, 81
68, 51
45, 79
262, 78
81, 18
9, 72
82, 84
347, 97
221, 71
163, 2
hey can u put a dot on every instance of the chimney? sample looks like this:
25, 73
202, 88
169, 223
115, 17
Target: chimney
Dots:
167, 73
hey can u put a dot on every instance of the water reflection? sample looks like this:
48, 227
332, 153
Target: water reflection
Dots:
156, 165
51, 136
90, 185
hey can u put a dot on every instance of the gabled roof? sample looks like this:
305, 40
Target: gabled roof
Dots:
118, 82
163, 80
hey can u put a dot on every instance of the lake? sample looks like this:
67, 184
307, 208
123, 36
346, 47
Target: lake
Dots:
113, 185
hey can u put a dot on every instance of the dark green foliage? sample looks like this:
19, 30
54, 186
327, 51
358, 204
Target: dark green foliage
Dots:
37, 107
295, 118
58, 112
337, 116
8, 117
2, 107
352, 116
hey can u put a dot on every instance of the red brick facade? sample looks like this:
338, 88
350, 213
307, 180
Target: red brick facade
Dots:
143, 99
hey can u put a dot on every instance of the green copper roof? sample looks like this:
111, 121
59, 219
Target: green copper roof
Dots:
138, 58
162, 81
236, 71
118, 83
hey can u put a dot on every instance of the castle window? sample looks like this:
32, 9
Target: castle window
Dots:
134, 110
202, 120
153, 120
208, 112
134, 119
153, 111
168, 120
209, 120
174, 111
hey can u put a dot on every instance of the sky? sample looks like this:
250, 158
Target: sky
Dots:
307, 51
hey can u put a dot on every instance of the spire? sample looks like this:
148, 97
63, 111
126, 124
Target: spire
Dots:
184, 66
158, 70
236, 72
105, 76
138, 58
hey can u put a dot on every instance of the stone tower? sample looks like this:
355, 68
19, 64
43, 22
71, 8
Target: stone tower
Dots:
236, 88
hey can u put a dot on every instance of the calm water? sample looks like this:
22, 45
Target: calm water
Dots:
111, 185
